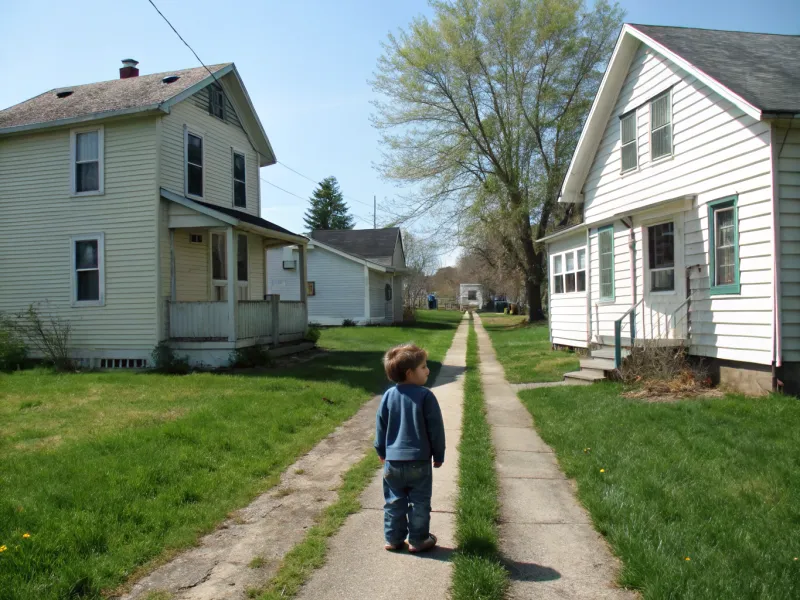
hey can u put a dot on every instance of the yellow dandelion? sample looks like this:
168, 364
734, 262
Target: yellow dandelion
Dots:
26, 535
586, 449
687, 558
602, 470
3, 548
795, 558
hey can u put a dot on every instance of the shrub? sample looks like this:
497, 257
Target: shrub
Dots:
13, 352
313, 334
250, 357
348, 323
166, 361
663, 370
49, 334
409, 315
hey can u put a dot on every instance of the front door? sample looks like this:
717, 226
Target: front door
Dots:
664, 278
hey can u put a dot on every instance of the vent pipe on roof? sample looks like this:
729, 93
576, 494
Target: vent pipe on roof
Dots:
128, 68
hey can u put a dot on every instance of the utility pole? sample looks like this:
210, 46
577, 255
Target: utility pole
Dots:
374, 211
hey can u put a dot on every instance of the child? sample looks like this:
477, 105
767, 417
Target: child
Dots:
409, 432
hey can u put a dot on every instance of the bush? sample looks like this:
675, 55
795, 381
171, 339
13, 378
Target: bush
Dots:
13, 352
165, 360
250, 357
48, 334
663, 370
409, 315
313, 334
348, 323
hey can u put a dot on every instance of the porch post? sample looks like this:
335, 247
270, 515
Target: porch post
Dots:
173, 294
303, 273
275, 307
231, 256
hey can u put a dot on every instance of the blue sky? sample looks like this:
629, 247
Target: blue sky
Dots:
306, 66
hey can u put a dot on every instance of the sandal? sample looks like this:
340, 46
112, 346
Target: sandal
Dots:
394, 547
424, 546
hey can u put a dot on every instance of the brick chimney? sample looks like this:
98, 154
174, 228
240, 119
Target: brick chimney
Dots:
128, 68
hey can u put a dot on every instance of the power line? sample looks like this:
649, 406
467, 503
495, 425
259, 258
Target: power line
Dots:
306, 199
296, 172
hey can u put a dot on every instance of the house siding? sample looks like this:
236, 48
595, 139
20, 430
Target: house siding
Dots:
192, 270
718, 151
787, 158
379, 308
35, 199
568, 311
219, 137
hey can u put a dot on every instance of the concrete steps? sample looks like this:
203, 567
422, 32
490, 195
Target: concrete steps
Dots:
595, 366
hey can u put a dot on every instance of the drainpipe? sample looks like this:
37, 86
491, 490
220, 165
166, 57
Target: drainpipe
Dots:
589, 324
632, 258
777, 347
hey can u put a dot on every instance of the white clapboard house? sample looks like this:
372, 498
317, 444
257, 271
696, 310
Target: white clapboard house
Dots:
131, 210
470, 295
353, 274
687, 175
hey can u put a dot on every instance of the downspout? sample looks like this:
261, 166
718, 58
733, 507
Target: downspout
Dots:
632, 258
589, 324
777, 333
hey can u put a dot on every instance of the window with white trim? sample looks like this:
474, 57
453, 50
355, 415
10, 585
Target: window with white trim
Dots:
661, 256
88, 270
87, 161
627, 135
219, 265
194, 165
661, 125
239, 180
569, 272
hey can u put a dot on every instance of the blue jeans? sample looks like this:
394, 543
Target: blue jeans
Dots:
407, 487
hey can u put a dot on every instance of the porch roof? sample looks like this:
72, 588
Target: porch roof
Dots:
236, 218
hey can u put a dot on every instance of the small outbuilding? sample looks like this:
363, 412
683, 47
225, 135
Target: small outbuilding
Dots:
470, 295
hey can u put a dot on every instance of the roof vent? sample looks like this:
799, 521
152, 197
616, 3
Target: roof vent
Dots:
170, 79
64, 93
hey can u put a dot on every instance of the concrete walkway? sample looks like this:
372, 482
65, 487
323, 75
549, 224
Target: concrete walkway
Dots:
357, 566
546, 536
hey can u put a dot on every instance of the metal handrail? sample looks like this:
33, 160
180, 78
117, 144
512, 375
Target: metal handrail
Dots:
618, 325
673, 317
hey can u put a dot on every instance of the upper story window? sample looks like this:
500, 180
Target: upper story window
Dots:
216, 104
627, 135
88, 270
569, 271
87, 161
194, 164
661, 125
239, 180
723, 226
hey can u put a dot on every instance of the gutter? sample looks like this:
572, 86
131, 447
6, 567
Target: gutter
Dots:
151, 108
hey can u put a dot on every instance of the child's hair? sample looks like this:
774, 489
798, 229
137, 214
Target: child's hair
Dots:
398, 360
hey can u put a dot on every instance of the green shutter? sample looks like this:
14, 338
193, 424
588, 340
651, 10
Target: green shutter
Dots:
733, 287
605, 242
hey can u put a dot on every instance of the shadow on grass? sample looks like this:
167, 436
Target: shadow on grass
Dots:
517, 571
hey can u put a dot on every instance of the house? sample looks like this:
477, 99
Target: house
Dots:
470, 295
132, 211
354, 274
687, 175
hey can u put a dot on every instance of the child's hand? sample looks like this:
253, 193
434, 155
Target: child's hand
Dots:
436, 465
383, 460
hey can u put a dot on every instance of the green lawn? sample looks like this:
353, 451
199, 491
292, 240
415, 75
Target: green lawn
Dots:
109, 471
524, 350
700, 498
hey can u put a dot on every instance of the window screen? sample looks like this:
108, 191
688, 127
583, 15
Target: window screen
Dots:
661, 126
627, 132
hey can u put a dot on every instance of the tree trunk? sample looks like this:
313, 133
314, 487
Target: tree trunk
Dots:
532, 265
533, 291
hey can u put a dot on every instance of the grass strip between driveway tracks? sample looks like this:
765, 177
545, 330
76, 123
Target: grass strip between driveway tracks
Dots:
478, 573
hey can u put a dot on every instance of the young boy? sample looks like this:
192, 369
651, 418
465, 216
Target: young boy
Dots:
409, 432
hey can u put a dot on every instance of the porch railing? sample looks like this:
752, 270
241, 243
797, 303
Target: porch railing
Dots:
254, 319
198, 320
292, 319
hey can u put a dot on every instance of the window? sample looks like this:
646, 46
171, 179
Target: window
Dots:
311, 288
216, 105
387, 291
239, 186
472, 294
661, 125
219, 270
661, 250
241, 258
605, 243
723, 219
87, 161
196, 238
627, 135
569, 272
194, 165
88, 270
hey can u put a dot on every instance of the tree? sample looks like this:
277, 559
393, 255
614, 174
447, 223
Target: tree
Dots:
422, 260
328, 209
484, 104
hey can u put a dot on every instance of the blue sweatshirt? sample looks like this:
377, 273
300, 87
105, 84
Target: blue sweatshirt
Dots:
409, 425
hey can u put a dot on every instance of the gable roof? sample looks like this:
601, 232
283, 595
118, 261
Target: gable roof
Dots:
142, 94
728, 62
367, 243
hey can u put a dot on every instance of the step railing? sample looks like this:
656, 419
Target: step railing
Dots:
628, 318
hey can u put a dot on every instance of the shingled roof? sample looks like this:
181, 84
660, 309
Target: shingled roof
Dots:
761, 68
89, 100
366, 243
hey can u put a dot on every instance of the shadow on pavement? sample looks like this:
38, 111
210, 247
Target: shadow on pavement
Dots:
517, 571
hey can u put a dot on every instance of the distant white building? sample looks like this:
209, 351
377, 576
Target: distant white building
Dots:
470, 295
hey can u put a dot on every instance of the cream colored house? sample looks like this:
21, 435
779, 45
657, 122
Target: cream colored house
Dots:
687, 174
131, 209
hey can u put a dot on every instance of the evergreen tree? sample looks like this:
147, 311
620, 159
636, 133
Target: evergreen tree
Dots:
328, 209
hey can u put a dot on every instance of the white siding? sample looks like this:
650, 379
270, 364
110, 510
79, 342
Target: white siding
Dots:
568, 311
218, 139
378, 306
787, 154
718, 151
192, 270
39, 218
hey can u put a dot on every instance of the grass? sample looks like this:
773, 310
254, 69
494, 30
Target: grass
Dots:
700, 498
477, 571
113, 473
308, 555
524, 350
